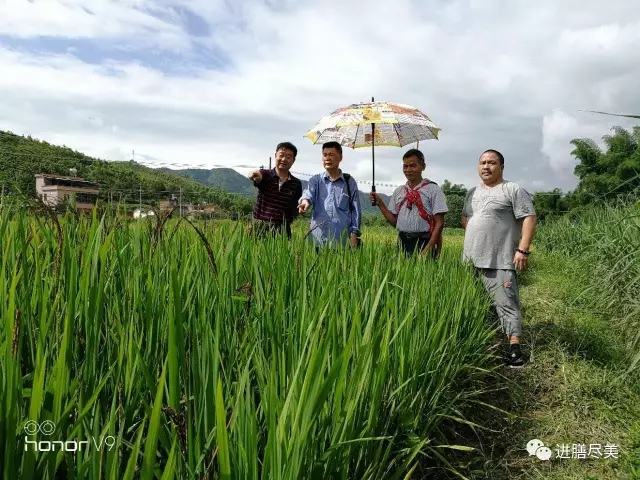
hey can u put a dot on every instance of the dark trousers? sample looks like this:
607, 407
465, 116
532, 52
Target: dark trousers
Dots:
412, 241
263, 228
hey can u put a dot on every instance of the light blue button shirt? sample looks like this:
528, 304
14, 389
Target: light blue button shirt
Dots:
332, 220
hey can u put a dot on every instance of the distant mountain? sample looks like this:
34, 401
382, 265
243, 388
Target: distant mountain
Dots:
223, 178
233, 182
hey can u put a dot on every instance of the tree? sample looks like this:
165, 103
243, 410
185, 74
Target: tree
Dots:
455, 201
457, 189
452, 217
605, 175
550, 205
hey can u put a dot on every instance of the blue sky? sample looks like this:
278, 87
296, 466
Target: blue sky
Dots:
98, 52
216, 82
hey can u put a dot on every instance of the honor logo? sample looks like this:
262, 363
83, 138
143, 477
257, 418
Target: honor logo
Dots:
48, 428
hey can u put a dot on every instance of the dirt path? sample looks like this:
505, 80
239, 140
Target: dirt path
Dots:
572, 394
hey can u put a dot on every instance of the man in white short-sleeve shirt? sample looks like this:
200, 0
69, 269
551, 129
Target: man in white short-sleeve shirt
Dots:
416, 209
499, 221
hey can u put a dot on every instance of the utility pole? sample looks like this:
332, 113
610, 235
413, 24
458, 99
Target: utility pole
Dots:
180, 201
140, 199
269, 163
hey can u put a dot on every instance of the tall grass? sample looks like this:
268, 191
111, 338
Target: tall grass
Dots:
605, 244
248, 360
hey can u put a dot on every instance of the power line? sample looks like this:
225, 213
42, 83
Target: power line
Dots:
163, 165
182, 166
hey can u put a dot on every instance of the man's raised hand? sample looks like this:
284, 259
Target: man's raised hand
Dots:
255, 176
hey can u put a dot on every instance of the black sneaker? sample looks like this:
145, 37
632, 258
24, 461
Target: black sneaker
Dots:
515, 357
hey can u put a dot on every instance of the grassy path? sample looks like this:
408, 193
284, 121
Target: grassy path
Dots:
573, 392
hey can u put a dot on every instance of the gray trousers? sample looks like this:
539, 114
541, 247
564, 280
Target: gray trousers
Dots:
502, 286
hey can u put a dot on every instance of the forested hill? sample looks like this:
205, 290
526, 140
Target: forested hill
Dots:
22, 157
224, 178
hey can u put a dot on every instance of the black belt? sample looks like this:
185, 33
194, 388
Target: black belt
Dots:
412, 235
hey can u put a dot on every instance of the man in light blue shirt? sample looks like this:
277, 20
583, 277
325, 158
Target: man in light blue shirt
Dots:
335, 200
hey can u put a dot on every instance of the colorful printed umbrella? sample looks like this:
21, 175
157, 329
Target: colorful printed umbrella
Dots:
374, 124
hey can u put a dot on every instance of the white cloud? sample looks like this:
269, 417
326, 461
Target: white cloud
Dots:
491, 74
105, 19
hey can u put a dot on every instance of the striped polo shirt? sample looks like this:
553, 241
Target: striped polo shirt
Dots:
277, 202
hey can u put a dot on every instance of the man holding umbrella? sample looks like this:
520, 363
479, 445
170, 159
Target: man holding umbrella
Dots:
335, 200
416, 209
368, 124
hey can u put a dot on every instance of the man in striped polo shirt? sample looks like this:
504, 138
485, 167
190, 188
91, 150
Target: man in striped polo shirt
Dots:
416, 209
278, 193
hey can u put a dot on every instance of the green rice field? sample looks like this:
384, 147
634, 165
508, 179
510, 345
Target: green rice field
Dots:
193, 351
201, 353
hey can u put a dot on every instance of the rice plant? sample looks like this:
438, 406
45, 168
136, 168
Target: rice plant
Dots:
193, 351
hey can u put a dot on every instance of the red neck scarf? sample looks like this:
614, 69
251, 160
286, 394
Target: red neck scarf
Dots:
412, 197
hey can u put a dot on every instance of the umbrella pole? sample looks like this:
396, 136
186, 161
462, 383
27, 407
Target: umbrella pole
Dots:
373, 159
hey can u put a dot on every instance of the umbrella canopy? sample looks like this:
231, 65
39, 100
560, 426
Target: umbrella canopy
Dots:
396, 125
373, 124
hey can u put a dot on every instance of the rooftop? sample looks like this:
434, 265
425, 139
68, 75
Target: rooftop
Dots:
65, 178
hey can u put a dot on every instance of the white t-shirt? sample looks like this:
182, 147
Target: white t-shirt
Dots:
493, 232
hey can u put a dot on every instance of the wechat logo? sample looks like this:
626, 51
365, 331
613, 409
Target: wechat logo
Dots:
536, 447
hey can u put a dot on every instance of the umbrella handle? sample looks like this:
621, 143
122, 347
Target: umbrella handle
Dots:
373, 159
